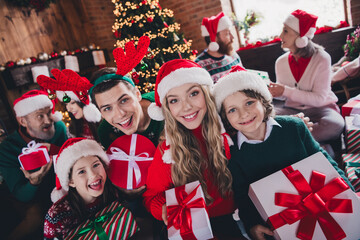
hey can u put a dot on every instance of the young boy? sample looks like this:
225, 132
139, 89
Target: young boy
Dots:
263, 144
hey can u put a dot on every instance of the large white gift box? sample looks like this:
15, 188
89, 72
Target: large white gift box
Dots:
187, 216
320, 195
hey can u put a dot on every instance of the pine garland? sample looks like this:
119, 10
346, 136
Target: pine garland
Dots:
38, 5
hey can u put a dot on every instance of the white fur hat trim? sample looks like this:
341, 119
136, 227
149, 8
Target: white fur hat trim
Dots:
29, 105
238, 81
224, 23
182, 76
68, 156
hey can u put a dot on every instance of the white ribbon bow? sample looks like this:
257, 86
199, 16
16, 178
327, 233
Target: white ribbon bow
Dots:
31, 147
118, 154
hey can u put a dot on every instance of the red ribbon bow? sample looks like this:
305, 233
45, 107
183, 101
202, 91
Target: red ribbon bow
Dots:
313, 204
179, 216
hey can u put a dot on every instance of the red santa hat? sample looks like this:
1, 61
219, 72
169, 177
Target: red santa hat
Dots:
173, 74
238, 79
303, 23
71, 151
211, 26
34, 100
70, 86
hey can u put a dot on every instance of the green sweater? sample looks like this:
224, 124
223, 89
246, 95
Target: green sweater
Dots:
18, 185
107, 133
285, 146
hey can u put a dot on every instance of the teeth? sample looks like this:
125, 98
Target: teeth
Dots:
95, 183
124, 122
190, 116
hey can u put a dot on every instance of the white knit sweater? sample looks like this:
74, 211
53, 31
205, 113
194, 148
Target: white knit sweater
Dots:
314, 87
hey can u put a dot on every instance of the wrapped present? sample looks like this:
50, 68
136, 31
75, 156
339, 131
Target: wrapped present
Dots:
350, 108
187, 216
308, 200
130, 158
33, 156
352, 134
262, 74
114, 222
352, 169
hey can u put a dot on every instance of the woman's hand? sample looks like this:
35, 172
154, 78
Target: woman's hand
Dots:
306, 120
258, 231
276, 89
164, 214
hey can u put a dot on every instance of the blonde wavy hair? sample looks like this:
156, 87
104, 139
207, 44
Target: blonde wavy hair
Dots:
189, 161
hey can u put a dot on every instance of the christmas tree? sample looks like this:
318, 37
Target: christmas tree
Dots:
137, 18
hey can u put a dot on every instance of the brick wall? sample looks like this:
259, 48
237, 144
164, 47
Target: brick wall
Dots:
101, 17
189, 13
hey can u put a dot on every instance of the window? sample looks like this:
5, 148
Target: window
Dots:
274, 12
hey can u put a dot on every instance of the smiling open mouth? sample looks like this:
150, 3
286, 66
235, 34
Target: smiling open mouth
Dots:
191, 116
127, 122
250, 121
95, 185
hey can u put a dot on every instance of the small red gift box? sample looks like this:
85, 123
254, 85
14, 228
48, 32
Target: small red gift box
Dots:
130, 158
350, 108
308, 200
187, 215
33, 156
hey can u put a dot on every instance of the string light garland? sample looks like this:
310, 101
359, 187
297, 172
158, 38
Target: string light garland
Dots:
137, 18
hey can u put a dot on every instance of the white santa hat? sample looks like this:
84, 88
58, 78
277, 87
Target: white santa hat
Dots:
211, 26
173, 74
32, 101
238, 79
304, 24
71, 151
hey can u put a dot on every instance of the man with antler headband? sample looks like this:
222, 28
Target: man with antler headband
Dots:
124, 109
120, 102
29, 185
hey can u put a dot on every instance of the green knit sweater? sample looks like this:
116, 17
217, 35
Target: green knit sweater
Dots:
107, 133
18, 185
285, 146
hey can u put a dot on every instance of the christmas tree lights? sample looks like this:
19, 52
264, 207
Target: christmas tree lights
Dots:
146, 17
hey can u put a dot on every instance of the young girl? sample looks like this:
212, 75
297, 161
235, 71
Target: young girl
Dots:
263, 144
193, 149
303, 78
82, 187
72, 90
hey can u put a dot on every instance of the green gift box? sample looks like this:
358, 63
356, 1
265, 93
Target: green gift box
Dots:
113, 222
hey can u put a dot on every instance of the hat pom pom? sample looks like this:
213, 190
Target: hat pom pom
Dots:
57, 194
213, 46
155, 112
57, 116
301, 42
91, 113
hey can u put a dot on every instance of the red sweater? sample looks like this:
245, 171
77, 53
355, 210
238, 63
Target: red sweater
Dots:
159, 180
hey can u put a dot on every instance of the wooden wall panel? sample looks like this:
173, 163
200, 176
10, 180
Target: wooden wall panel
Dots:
25, 33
